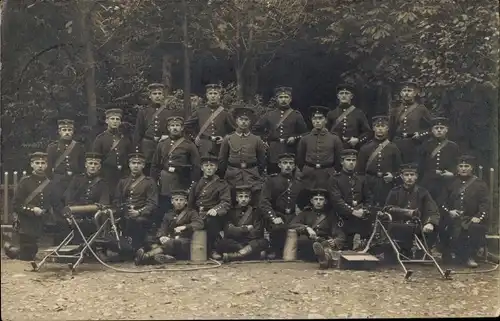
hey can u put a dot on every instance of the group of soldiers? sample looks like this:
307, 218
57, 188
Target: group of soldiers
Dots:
234, 176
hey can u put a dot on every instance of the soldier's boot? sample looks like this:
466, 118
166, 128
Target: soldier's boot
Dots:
142, 257
11, 251
271, 255
263, 255
164, 258
321, 254
216, 256
245, 251
139, 256
471, 263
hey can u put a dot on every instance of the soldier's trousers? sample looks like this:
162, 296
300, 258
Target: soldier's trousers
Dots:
28, 247
353, 226
179, 248
227, 245
408, 148
137, 230
278, 234
305, 248
464, 242
213, 225
404, 234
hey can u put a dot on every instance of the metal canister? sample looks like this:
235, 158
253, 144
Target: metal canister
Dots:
290, 250
199, 246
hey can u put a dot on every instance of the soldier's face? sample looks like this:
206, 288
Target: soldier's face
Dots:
39, 165
318, 121
284, 99
408, 93
464, 169
409, 177
381, 130
287, 166
66, 132
349, 163
213, 96
318, 202
439, 131
243, 198
344, 96
136, 166
175, 128
157, 96
113, 121
179, 202
209, 168
243, 122
92, 165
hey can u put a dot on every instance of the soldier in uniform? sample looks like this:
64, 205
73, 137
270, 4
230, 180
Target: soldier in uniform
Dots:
409, 123
150, 124
379, 161
115, 148
318, 153
32, 199
211, 197
464, 204
244, 229
175, 233
352, 199
283, 127
175, 164
411, 211
243, 155
210, 123
66, 157
278, 202
438, 159
348, 122
136, 198
316, 225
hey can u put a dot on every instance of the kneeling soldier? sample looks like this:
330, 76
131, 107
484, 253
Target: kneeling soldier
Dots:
174, 235
244, 230
317, 224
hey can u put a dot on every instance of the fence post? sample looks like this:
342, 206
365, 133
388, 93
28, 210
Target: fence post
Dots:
492, 196
6, 198
15, 180
480, 172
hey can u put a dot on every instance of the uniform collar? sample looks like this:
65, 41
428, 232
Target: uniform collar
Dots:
322, 131
242, 134
344, 106
410, 189
347, 173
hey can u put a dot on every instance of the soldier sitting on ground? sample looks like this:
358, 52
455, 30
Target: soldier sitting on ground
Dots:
175, 233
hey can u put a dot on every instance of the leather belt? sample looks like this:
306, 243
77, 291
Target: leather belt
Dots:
243, 165
405, 135
319, 166
378, 174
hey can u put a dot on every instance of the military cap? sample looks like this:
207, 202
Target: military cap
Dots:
380, 119
322, 110
114, 112
282, 89
179, 119
286, 156
318, 192
93, 155
467, 159
65, 123
179, 192
243, 188
348, 152
410, 84
347, 87
213, 87
136, 156
38, 156
209, 158
243, 111
155, 86
440, 121
410, 167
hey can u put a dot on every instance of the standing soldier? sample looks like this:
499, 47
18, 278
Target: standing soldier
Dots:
32, 200
464, 205
318, 153
409, 123
348, 122
114, 146
211, 197
211, 123
243, 155
66, 157
151, 125
283, 127
379, 160
175, 164
278, 200
438, 159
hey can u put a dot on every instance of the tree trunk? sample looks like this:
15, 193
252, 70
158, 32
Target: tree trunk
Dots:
167, 73
240, 82
187, 63
251, 79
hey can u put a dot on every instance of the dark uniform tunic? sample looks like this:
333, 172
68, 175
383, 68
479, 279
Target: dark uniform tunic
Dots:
237, 235
355, 124
293, 126
142, 194
221, 126
243, 159
207, 194
31, 225
323, 223
474, 202
318, 157
401, 129
179, 244
387, 160
115, 161
350, 191
430, 161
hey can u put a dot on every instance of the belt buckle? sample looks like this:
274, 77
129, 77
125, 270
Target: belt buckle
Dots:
282, 140
380, 174
69, 173
405, 135
243, 165
318, 166
288, 211
119, 167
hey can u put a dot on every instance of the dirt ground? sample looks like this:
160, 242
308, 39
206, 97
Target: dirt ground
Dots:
262, 290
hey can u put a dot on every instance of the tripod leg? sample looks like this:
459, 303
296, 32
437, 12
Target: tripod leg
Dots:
408, 273
446, 273
67, 239
372, 236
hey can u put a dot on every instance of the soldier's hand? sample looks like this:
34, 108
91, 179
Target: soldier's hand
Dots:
133, 213
179, 229
266, 145
290, 140
278, 220
197, 141
358, 213
163, 137
388, 177
332, 243
37, 210
212, 212
163, 239
428, 228
353, 141
250, 227
447, 174
311, 232
475, 220
454, 213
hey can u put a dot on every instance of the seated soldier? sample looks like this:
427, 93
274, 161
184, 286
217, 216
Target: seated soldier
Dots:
411, 210
317, 225
174, 235
465, 205
244, 230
